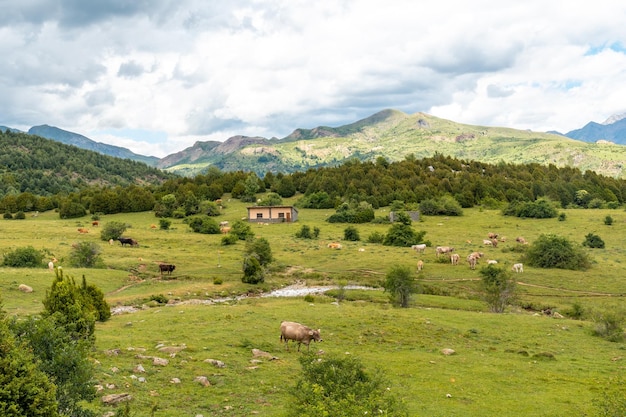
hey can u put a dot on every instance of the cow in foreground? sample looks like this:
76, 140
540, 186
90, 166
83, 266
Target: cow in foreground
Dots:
297, 332
127, 241
169, 268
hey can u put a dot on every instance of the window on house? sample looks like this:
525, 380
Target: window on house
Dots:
259, 215
281, 215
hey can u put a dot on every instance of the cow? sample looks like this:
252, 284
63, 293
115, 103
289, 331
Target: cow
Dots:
334, 245
126, 241
82, 230
297, 332
419, 248
487, 242
492, 235
521, 240
472, 261
443, 249
225, 229
477, 255
420, 265
492, 262
518, 268
169, 268
95, 223
454, 258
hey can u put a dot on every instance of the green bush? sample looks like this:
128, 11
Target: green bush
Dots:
229, 239
203, 224
403, 235
609, 325
20, 215
593, 241
7, 215
608, 220
376, 237
85, 255
304, 232
551, 251
400, 285
444, 206
562, 217
498, 288
242, 230
351, 234
164, 224
26, 257
112, 230
72, 210
252, 270
260, 249
540, 209
341, 387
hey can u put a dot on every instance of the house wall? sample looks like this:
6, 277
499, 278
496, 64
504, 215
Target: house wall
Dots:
272, 214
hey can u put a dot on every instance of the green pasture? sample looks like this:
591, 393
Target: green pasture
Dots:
493, 373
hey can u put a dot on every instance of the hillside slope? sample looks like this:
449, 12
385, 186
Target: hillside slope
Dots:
394, 135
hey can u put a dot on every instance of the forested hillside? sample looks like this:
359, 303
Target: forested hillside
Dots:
44, 167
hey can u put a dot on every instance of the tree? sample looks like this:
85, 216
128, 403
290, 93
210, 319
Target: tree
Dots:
252, 270
25, 390
259, 248
401, 234
271, 199
203, 224
499, 289
551, 251
400, 285
251, 187
341, 387
71, 210
242, 230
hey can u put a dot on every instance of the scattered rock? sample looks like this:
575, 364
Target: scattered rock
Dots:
448, 351
116, 398
160, 361
202, 380
139, 369
175, 381
112, 352
216, 363
25, 288
172, 349
257, 353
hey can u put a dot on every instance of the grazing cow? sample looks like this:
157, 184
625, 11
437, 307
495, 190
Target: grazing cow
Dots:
518, 267
443, 249
334, 245
521, 240
477, 255
491, 235
111, 241
420, 265
169, 268
95, 223
126, 241
133, 242
225, 229
82, 230
51, 265
454, 258
297, 332
419, 248
153, 226
223, 224
472, 261
487, 242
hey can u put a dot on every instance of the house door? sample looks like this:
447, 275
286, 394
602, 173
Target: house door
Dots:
288, 216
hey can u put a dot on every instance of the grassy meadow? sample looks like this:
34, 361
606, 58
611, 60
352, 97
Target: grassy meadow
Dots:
513, 364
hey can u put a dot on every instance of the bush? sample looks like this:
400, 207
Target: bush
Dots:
562, 217
164, 224
112, 230
376, 237
7, 216
229, 239
260, 249
252, 270
26, 257
351, 234
403, 235
400, 285
304, 232
242, 230
444, 206
203, 224
20, 215
551, 251
609, 325
608, 220
498, 288
85, 255
593, 241
218, 281
356, 213
159, 298
72, 210
341, 387
540, 209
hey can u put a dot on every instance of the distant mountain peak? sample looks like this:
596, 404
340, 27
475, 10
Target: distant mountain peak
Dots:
614, 118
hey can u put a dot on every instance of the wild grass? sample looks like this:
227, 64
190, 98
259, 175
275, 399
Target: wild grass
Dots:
518, 363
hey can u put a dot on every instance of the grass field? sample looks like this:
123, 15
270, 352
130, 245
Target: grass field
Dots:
514, 364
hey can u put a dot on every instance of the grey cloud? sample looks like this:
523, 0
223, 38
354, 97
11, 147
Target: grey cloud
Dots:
205, 124
494, 91
99, 97
130, 69
476, 57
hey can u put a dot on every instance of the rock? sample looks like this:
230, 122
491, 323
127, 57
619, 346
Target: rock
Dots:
139, 369
257, 353
160, 361
202, 380
448, 351
172, 349
116, 398
216, 363
25, 288
175, 381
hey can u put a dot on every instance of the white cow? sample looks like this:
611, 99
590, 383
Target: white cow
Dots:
492, 262
454, 258
443, 249
420, 265
518, 267
419, 248
472, 261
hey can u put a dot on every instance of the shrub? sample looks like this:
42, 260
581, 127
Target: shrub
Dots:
403, 235
376, 237
164, 224
444, 206
316, 232
252, 270
94, 300
218, 281
72, 210
595, 203
20, 215
608, 220
7, 216
400, 285
26, 257
229, 239
203, 224
260, 249
351, 234
159, 298
355, 213
551, 251
593, 241
304, 232
609, 325
562, 217
112, 230
498, 288
242, 230
85, 255
341, 387
540, 209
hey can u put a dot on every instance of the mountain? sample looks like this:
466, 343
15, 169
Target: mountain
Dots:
613, 130
70, 138
394, 135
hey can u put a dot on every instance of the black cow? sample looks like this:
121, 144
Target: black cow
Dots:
167, 268
127, 241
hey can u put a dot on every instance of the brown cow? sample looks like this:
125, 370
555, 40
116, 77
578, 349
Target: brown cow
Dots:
297, 332
167, 268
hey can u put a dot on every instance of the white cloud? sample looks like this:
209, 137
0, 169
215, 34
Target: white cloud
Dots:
195, 70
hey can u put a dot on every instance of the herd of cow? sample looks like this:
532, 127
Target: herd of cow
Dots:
472, 258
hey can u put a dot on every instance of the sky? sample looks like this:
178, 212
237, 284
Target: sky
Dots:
156, 76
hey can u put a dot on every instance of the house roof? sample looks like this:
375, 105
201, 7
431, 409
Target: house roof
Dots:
290, 207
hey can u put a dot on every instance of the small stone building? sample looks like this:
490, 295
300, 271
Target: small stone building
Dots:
272, 214
414, 215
